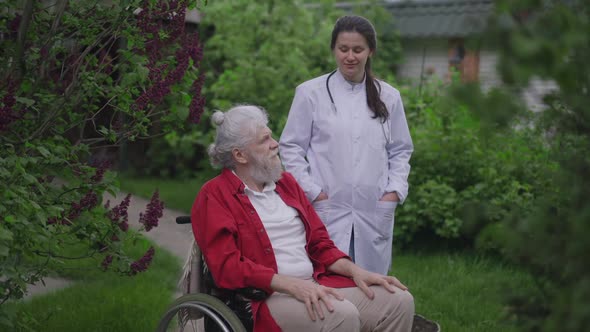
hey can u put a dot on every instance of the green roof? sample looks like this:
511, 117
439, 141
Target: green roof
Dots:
442, 18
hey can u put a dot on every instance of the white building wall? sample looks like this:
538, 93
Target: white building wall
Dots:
488, 75
432, 52
538, 88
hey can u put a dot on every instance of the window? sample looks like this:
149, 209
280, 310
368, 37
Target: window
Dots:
464, 60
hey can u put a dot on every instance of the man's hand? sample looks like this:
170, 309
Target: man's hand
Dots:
308, 292
363, 279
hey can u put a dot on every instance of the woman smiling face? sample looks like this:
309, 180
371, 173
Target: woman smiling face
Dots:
351, 52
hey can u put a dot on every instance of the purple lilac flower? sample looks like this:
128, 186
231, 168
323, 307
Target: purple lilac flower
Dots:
197, 105
119, 214
14, 24
154, 211
89, 201
150, 22
101, 168
7, 112
106, 262
143, 263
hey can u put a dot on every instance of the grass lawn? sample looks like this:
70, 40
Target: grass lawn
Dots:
460, 290
101, 301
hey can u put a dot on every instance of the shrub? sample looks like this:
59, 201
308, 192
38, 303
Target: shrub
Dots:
456, 171
77, 78
262, 65
547, 39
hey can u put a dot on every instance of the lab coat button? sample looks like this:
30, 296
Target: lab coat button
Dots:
267, 250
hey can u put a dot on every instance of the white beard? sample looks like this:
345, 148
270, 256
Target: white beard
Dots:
266, 169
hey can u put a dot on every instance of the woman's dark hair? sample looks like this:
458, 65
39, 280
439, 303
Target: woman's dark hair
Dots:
365, 28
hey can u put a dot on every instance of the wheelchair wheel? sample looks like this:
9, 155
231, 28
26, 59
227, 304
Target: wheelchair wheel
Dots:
215, 311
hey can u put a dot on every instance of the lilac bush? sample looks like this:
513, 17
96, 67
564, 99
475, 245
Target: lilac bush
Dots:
77, 79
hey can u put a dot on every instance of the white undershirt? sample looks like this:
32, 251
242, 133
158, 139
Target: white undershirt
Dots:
285, 230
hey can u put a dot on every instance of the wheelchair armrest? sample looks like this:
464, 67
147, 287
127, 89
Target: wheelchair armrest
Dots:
252, 294
183, 220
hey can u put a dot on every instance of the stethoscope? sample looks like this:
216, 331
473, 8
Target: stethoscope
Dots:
387, 137
330, 92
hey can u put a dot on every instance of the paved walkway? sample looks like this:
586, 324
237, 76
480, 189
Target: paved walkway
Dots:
168, 235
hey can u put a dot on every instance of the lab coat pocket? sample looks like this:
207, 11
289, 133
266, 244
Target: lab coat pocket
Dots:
384, 214
322, 208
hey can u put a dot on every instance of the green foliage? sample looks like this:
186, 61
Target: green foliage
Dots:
77, 78
458, 173
105, 301
548, 39
262, 63
258, 52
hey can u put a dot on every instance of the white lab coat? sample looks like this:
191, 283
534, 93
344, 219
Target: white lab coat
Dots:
353, 158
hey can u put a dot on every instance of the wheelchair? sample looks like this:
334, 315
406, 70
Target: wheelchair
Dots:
206, 308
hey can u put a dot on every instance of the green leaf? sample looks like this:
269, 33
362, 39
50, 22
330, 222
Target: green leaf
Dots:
43, 151
28, 102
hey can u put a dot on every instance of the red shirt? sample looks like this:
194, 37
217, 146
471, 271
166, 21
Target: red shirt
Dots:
237, 249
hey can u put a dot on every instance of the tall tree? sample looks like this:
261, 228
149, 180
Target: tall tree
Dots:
549, 40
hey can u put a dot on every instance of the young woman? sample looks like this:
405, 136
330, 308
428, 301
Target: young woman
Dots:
347, 143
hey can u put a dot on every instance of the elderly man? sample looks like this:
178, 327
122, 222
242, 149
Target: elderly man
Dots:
256, 228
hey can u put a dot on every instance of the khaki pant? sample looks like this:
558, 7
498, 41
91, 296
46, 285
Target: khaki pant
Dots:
387, 312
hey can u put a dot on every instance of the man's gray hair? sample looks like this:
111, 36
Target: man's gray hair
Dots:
236, 128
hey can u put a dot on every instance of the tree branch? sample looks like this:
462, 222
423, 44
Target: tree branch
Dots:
21, 39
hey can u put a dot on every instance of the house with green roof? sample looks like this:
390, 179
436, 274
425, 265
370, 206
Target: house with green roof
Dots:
438, 36
434, 35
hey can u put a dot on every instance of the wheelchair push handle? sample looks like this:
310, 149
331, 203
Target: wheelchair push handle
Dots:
183, 220
247, 293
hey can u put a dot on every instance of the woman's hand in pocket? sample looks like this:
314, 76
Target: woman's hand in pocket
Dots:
389, 197
321, 197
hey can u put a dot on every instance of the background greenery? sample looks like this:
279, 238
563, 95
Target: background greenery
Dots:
259, 59
547, 39
494, 233
78, 78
